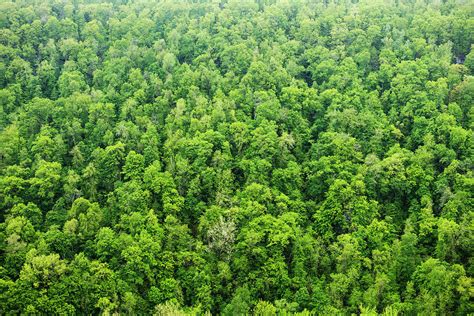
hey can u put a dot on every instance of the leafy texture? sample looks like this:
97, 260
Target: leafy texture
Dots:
236, 157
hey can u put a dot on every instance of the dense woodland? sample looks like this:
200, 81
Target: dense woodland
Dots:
236, 157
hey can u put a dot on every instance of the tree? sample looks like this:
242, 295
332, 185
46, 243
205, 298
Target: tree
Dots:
438, 283
70, 82
46, 183
240, 303
221, 238
134, 166
109, 162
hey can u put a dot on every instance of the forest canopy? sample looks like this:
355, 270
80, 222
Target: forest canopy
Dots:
268, 157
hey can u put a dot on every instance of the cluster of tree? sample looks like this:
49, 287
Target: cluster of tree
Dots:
236, 157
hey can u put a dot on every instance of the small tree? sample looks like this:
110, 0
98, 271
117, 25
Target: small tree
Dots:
221, 238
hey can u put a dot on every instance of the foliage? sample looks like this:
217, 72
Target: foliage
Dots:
236, 157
